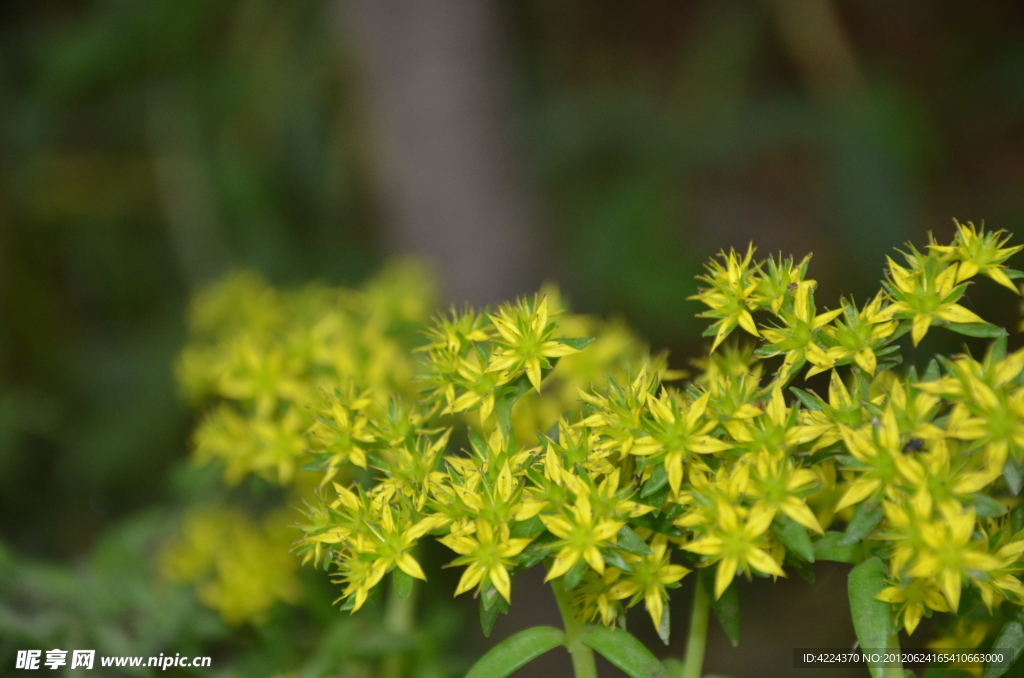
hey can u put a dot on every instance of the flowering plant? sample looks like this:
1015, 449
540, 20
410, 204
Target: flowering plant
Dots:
528, 437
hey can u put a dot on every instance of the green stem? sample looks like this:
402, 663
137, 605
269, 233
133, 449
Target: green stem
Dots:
896, 670
583, 665
693, 661
398, 620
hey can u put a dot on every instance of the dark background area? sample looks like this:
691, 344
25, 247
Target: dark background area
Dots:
149, 146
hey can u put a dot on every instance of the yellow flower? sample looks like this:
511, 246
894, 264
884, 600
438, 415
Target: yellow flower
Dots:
240, 568
915, 600
342, 428
799, 330
880, 453
581, 535
488, 555
925, 295
980, 252
859, 337
593, 597
648, 578
525, 340
778, 486
737, 545
778, 280
680, 428
949, 554
731, 295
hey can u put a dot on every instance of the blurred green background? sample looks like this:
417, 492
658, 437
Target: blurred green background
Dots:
149, 146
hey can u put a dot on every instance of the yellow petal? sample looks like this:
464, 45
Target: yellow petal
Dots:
470, 578
764, 562
724, 576
866, 359
955, 313
500, 580
408, 564
921, 324
950, 584
798, 511
563, 562
746, 321
858, 492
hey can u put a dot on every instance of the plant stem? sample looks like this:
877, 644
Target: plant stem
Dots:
583, 665
693, 661
893, 670
398, 620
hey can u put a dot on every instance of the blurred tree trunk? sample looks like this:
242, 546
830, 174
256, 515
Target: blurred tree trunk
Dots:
443, 142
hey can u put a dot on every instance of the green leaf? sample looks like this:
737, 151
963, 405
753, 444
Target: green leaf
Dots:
517, 651
402, 583
987, 330
998, 350
871, 617
793, 536
802, 567
575, 574
579, 343
507, 397
624, 651
614, 558
658, 480
987, 507
665, 627
534, 553
1017, 519
1011, 637
809, 400
526, 528
829, 546
491, 605
726, 608
1011, 473
630, 541
865, 519
673, 666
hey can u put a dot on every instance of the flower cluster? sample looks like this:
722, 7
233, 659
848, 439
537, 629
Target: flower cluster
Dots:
521, 442
240, 567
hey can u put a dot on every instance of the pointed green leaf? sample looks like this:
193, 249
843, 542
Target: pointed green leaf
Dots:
575, 574
809, 400
614, 558
802, 567
829, 546
526, 528
624, 651
665, 627
793, 536
658, 480
630, 541
1011, 473
865, 519
872, 619
987, 330
987, 507
579, 343
726, 608
1017, 519
1011, 637
517, 651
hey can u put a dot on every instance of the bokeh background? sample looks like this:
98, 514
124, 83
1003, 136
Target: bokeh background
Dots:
147, 147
